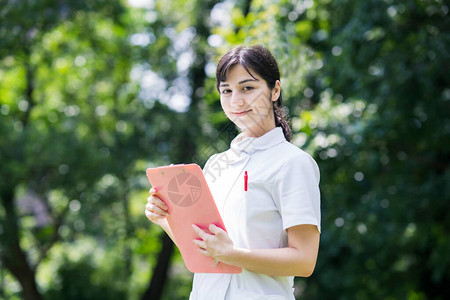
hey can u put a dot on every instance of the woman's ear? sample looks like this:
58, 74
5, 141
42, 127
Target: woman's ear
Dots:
276, 91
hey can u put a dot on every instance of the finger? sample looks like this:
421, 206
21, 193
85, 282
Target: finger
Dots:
200, 244
158, 202
153, 191
152, 199
203, 235
152, 216
149, 211
158, 210
154, 209
215, 229
203, 251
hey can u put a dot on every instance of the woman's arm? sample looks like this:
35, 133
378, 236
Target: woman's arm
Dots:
298, 259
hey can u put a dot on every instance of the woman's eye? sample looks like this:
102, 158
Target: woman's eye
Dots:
227, 91
247, 88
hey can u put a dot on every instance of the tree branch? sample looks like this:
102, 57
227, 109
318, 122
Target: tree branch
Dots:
29, 79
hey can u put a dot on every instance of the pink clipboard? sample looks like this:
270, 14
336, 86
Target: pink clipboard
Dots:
185, 191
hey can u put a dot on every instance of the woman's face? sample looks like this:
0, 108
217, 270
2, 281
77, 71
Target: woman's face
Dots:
248, 102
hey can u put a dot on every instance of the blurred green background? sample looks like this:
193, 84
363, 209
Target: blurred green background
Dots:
92, 92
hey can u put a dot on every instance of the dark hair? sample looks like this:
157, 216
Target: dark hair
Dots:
260, 60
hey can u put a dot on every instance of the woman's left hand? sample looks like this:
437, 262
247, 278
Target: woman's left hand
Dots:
216, 244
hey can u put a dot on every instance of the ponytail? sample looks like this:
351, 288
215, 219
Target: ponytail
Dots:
281, 119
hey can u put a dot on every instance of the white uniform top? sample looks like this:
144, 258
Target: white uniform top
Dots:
282, 192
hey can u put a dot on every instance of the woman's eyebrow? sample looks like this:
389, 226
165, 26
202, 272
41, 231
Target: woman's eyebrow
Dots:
240, 82
246, 80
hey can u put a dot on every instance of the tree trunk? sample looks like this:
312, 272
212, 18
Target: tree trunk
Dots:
190, 131
12, 256
159, 277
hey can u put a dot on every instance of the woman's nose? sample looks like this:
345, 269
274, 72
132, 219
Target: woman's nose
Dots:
237, 99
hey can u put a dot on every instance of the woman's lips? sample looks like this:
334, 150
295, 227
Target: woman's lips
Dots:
241, 113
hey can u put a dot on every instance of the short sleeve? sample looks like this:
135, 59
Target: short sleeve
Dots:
296, 191
208, 170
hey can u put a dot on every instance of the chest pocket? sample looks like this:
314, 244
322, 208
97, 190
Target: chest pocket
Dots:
252, 218
261, 216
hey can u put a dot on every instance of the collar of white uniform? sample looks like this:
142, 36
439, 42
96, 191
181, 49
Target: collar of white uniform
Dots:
250, 145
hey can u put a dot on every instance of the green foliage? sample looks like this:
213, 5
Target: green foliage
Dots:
81, 280
388, 202
72, 131
93, 92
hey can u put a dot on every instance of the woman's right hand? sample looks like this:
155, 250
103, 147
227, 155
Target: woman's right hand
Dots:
156, 209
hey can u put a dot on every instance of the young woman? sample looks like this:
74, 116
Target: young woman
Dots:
265, 188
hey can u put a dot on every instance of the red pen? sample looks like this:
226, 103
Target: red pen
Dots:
245, 181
